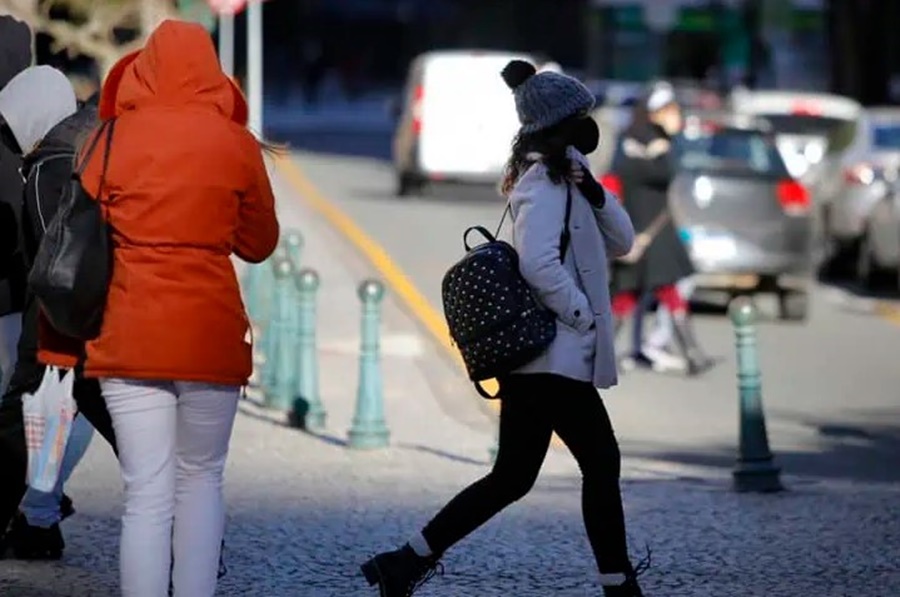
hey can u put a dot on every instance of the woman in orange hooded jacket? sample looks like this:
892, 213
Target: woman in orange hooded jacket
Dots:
185, 189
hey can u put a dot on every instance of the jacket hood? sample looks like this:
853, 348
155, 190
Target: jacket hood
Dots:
15, 48
34, 101
177, 67
66, 137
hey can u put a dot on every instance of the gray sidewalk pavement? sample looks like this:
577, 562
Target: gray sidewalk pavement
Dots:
305, 511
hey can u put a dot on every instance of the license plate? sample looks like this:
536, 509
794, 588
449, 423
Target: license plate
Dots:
707, 246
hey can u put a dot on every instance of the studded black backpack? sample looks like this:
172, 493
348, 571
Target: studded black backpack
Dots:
494, 318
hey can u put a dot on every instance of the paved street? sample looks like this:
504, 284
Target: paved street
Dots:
830, 387
305, 510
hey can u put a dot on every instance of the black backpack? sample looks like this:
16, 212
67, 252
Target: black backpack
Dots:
73, 266
493, 316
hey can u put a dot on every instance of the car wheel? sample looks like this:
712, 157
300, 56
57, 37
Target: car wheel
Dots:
842, 261
793, 305
409, 184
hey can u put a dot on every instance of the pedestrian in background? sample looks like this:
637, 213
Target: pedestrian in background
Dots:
15, 56
46, 126
186, 188
646, 167
557, 391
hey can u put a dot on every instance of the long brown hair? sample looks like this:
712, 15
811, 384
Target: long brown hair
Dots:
274, 149
550, 143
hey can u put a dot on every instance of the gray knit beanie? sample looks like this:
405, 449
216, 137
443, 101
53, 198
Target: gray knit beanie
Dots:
546, 98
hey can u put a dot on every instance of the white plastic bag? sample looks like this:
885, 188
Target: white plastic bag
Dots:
48, 415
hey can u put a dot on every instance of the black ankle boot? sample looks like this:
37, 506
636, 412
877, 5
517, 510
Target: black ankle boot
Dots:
400, 573
35, 543
697, 361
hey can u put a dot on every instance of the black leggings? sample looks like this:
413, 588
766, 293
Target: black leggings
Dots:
532, 408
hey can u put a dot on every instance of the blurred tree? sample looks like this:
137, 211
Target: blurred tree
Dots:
103, 30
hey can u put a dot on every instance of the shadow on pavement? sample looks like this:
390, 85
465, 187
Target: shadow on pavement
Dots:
443, 454
865, 451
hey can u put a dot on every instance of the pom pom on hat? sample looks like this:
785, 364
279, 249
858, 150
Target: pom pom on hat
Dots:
517, 72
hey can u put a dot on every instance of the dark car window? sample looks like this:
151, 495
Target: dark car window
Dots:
886, 136
732, 151
838, 131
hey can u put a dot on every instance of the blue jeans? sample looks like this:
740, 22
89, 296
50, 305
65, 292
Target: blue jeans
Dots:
42, 509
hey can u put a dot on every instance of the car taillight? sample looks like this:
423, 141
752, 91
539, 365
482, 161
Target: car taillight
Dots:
418, 95
613, 184
793, 197
859, 174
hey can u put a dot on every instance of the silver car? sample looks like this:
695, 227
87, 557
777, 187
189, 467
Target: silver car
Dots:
748, 224
859, 220
878, 262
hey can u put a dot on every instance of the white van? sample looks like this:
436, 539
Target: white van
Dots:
457, 120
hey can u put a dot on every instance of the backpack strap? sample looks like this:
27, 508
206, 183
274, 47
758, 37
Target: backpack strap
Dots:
79, 169
565, 236
484, 393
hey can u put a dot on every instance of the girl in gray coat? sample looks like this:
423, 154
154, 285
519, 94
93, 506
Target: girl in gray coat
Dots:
557, 391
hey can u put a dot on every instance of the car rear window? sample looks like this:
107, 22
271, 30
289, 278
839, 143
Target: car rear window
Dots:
837, 131
732, 151
886, 136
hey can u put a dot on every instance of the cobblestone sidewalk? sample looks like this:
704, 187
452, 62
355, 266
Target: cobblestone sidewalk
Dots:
305, 511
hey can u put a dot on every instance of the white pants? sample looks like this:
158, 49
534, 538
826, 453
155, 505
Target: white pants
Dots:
173, 442
10, 330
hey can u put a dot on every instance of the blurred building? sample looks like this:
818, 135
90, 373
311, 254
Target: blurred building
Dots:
761, 43
725, 41
846, 46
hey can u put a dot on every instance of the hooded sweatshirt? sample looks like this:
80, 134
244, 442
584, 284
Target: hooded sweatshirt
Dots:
48, 171
34, 101
15, 56
186, 188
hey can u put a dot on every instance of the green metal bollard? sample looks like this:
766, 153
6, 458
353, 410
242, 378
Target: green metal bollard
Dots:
755, 469
277, 386
267, 315
308, 410
369, 430
251, 284
293, 242
267, 293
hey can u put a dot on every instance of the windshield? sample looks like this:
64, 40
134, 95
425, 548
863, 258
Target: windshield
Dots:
886, 136
731, 151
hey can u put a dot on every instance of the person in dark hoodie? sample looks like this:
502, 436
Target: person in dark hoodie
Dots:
47, 125
15, 56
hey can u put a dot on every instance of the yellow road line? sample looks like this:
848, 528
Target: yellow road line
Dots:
889, 312
393, 275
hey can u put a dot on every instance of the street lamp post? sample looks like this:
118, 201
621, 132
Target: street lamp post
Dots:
255, 66
226, 42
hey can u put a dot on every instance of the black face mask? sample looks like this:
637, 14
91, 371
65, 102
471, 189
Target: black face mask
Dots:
585, 135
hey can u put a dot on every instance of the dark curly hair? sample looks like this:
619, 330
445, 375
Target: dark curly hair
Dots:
550, 142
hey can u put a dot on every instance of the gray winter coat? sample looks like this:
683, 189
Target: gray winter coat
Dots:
577, 290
